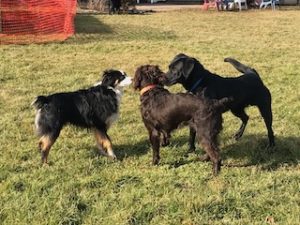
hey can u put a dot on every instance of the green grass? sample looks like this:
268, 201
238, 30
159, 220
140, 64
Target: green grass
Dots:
80, 187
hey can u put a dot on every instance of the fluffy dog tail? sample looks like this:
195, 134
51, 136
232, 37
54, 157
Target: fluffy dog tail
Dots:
240, 67
39, 102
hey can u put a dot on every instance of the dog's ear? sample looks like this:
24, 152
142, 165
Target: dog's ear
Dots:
155, 74
177, 58
137, 79
188, 66
106, 79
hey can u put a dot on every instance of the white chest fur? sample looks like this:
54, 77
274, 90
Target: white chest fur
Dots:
111, 119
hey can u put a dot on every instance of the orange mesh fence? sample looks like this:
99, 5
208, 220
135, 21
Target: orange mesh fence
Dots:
35, 21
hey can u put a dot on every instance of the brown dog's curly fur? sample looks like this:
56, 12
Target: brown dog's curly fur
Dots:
163, 112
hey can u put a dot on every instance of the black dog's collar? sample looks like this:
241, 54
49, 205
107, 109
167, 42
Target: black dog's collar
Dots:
195, 85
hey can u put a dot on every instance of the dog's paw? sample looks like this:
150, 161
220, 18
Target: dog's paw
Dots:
190, 151
165, 143
271, 148
112, 155
217, 168
45, 164
204, 158
237, 136
155, 161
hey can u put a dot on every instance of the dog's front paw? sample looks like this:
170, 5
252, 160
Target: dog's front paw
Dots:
271, 148
217, 168
190, 151
155, 161
204, 158
165, 143
112, 155
238, 135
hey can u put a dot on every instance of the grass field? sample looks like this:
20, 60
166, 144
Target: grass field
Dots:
80, 187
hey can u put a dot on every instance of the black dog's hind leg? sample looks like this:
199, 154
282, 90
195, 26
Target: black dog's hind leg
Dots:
154, 137
244, 117
266, 113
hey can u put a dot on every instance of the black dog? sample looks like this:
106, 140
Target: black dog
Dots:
163, 112
245, 90
96, 108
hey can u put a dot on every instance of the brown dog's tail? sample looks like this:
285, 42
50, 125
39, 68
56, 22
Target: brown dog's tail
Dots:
240, 67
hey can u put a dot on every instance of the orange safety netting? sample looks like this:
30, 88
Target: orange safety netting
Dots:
35, 21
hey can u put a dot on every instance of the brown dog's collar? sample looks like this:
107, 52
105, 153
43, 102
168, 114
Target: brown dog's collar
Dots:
147, 88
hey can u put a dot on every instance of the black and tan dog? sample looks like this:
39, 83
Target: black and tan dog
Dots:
163, 112
96, 108
245, 90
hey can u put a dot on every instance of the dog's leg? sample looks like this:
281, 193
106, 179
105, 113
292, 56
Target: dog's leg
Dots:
155, 142
212, 151
244, 117
165, 139
192, 140
104, 142
209, 144
204, 158
45, 144
266, 113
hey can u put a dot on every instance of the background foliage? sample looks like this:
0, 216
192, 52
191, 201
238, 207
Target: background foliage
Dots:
79, 187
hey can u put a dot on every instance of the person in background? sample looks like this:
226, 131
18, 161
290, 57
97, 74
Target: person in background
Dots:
114, 6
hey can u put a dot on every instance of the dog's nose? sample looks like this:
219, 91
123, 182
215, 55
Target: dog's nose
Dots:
127, 81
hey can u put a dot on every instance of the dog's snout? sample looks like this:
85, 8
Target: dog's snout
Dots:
127, 81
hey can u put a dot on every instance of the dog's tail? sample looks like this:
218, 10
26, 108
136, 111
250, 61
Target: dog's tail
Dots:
240, 67
39, 102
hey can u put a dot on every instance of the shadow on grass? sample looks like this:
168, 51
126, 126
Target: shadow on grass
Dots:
143, 147
132, 149
253, 149
88, 24
89, 28
135, 149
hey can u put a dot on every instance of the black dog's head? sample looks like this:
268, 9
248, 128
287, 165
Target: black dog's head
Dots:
181, 68
114, 78
147, 75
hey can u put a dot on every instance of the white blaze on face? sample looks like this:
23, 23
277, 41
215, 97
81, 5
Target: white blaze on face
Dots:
127, 81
